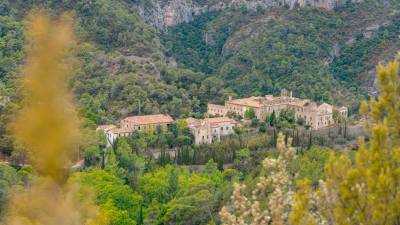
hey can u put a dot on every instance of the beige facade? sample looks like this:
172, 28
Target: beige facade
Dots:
317, 116
148, 122
343, 112
209, 130
218, 110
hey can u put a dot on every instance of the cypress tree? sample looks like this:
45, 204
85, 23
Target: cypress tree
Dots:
140, 219
310, 142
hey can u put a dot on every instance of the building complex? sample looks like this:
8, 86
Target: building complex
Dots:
315, 115
208, 130
135, 123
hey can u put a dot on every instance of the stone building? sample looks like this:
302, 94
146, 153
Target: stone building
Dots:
135, 123
148, 122
317, 116
209, 130
343, 112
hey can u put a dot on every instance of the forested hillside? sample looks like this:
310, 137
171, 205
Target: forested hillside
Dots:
122, 68
325, 56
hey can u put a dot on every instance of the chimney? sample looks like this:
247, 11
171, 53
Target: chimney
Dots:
230, 98
291, 94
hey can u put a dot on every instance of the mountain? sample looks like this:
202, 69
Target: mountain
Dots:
167, 13
324, 55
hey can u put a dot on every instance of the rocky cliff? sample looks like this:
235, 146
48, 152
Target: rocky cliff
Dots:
165, 13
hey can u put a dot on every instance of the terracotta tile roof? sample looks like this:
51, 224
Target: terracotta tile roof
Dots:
325, 104
217, 121
105, 128
192, 121
121, 130
215, 105
220, 120
279, 100
299, 102
250, 102
149, 119
221, 123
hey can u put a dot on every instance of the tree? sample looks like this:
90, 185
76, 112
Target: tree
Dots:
156, 186
368, 191
311, 164
19, 156
190, 209
300, 121
140, 219
173, 183
181, 126
92, 156
129, 160
250, 114
243, 160
263, 128
9, 180
272, 119
117, 201
254, 122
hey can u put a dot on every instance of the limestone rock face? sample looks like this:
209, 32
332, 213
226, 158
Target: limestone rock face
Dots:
165, 13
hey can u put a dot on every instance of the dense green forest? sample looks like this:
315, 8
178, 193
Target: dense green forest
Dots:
234, 52
319, 55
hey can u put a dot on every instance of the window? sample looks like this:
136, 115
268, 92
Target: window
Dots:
222, 128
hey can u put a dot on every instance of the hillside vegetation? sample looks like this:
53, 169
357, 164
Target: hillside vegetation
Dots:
126, 66
320, 55
122, 69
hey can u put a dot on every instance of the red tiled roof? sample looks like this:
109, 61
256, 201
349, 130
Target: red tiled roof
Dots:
150, 119
121, 130
220, 120
250, 102
192, 122
105, 128
215, 105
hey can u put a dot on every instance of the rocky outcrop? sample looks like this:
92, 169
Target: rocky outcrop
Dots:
165, 13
